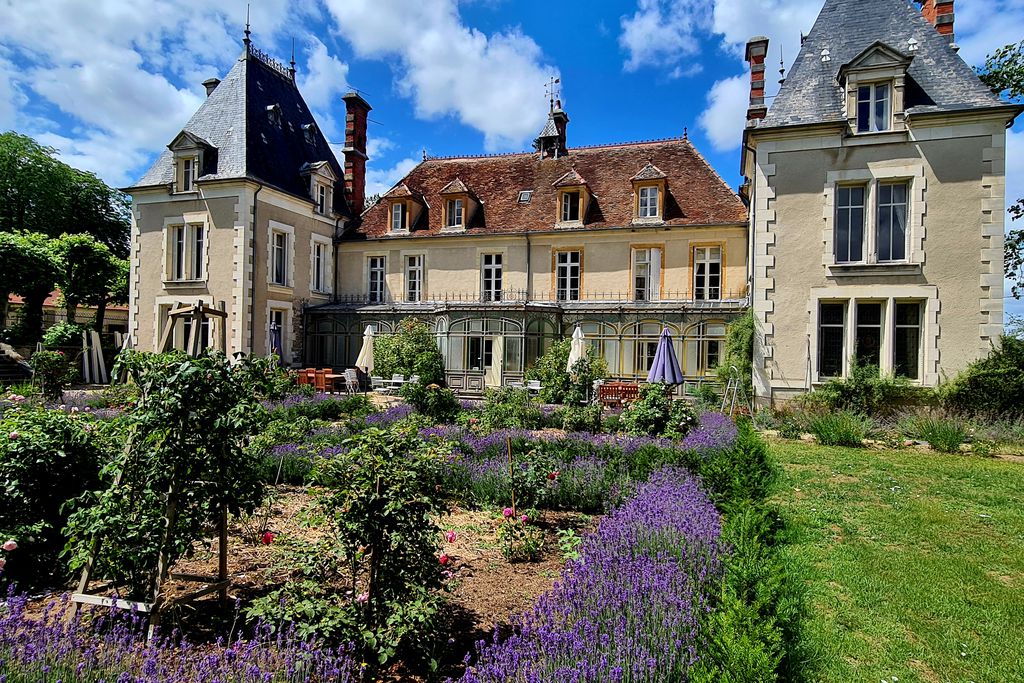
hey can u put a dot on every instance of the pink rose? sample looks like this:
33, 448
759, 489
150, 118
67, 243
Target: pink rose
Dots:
444, 559
524, 519
3, 563
507, 512
450, 536
362, 598
267, 538
13, 436
10, 545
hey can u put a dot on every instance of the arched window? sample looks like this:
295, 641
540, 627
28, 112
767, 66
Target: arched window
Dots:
541, 333
604, 339
640, 343
703, 344
473, 342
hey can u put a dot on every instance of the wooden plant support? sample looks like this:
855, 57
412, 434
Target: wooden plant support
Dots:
511, 474
198, 313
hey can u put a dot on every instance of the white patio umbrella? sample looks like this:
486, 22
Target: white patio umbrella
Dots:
577, 349
365, 359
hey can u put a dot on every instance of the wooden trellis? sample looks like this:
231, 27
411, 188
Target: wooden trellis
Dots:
199, 313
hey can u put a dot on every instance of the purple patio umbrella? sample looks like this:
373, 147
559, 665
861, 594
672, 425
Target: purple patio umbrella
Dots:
665, 367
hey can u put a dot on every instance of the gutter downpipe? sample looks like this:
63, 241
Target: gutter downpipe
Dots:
252, 284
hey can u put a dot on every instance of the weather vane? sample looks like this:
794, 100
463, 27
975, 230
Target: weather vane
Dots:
551, 91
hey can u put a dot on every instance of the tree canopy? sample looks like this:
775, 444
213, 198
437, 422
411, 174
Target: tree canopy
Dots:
1004, 73
40, 193
86, 271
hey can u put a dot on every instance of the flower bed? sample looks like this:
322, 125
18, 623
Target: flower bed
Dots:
52, 647
629, 608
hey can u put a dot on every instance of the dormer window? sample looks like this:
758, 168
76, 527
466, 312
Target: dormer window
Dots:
649, 206
454, 214
571, 201
399, 217
874, 108
188, 171
321, 178
322, 197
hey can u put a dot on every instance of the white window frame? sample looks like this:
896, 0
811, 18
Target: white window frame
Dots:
565, 272
414, 277
322, 198
187, 257
276, 228
186, 181
324, 271
648, 202
566, 204
872, 102
402, 216
891, 207
376, 278
646, 263
455, 216
703, 290
849, 207
492, 276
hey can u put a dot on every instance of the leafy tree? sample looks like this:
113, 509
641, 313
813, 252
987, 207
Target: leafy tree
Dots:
40, 193
86, 271
559, 386
1004, 73
739, 353
411, 350
34, 276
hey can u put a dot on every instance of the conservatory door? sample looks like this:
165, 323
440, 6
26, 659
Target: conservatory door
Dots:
492, 370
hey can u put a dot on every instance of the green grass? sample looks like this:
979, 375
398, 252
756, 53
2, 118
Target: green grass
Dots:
914, 562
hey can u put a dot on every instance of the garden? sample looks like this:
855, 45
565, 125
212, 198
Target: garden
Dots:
420, 538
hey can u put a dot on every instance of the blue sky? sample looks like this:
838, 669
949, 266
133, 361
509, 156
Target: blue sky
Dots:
109, 82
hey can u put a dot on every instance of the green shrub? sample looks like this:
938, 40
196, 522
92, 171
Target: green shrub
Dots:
992, 386
54, 373
64, 334
943, 434
439, 404
612, 424
581, 418
864, 391
510, 408
120, 395
840, 428
559, 386
47, 458
739, 353
411, 350
740, 476
519, 539
654, 413
787, 422
322, 407
264, 376
706, 397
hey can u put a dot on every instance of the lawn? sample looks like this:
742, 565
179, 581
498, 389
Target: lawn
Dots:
914, 562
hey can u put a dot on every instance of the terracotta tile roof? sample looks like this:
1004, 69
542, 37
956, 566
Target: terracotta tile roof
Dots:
570, 179
649, 172
695, 194
53, 301
455, 187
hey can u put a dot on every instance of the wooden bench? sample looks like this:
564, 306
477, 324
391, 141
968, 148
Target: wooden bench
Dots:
617, 394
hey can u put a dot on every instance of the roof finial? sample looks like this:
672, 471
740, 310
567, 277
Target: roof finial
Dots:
424, 154
291, 69
782, 66
686, 134
552, 93
247, 40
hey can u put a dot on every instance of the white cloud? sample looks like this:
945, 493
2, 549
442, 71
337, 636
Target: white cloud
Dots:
379, 181
493, 83
663, 32
375, 146
124, 74
979, 33
726, 112
322, 84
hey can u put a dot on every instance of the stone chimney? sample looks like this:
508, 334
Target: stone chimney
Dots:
356, 111
210, 84
939, 14
757, 50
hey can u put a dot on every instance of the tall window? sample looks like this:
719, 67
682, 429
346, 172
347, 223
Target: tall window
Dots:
320, 267
906, 357
321, 198
868, 347
491, 268
874, 109
187, 252
702, 348
567, 276
707, 273
892, 221
189, 169
279, 258
849, 232
646, 274
277, 318
399, 216
648, 202
570, 206
414, 278
643, 358
454, 214
375, 288
831, 339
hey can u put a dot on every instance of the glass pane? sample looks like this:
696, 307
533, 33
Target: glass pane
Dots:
869, 333
830, 351
908, 314
869, 314
832, 314
884, 233
881, 107
899, 230
863, 109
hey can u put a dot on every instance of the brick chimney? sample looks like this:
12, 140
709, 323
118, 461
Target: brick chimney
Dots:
356, 111
757, 50
939, 14
211, 84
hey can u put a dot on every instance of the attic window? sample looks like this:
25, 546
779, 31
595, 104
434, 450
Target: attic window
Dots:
525, 196
309, 132
274, 114
874, 112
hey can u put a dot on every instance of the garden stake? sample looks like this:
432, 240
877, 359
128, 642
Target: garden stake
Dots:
511, 473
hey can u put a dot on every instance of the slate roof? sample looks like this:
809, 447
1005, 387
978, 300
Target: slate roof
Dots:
235, 121
941, 80
695, 194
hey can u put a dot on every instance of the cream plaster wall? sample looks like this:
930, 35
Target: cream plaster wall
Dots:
956, 171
